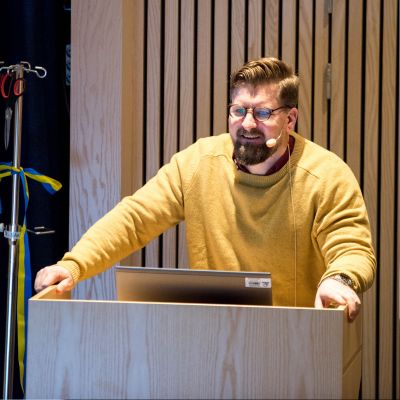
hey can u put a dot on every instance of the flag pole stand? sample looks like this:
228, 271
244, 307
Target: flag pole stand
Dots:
13, 237
13, 233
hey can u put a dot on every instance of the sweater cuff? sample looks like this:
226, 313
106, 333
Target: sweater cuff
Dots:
355, 286
72, 267
359, 268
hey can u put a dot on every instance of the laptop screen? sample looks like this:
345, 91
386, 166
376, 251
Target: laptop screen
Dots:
193, 286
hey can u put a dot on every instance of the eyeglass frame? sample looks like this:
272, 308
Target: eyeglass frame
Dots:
252, 111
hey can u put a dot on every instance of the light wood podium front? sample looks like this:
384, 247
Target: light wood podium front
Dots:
109, 349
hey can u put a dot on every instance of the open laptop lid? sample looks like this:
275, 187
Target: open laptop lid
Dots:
193, 286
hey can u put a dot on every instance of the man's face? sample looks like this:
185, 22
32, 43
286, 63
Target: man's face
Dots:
250, 135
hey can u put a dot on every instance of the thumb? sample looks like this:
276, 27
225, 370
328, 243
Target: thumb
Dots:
318, 302
65, 285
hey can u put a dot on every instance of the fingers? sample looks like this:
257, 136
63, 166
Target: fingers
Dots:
348, 297
333, 292
52, 275
354, 307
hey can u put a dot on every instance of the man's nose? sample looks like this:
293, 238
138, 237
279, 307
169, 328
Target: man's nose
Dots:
249, 121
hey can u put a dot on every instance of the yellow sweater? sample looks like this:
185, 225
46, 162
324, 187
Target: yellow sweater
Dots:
238, 221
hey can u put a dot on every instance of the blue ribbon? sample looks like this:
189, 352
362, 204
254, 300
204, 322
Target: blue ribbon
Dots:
24, 270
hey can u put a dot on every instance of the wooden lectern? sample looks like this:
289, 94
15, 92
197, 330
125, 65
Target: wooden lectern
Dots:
109, 349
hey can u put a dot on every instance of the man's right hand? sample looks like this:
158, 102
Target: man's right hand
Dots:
54, 274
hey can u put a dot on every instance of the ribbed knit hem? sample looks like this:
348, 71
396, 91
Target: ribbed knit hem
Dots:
72, 267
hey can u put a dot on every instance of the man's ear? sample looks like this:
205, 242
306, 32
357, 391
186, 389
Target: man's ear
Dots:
292, 118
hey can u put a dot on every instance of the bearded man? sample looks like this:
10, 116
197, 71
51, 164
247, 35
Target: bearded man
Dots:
259, 198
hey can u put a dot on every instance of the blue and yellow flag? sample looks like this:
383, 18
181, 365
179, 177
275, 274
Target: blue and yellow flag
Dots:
24, 291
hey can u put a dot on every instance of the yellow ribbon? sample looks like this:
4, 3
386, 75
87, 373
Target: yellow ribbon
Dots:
24, 290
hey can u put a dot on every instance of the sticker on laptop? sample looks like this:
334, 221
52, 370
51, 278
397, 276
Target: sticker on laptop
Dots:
263, 283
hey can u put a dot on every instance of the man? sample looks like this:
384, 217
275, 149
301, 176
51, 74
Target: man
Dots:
260, 198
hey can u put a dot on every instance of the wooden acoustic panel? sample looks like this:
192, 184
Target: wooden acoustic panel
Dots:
149, 77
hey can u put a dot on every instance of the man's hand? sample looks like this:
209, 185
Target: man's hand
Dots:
52, 275
332, 291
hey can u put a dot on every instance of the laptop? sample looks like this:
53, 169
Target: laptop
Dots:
173, 285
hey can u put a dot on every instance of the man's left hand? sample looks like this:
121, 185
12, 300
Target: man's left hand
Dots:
331, 291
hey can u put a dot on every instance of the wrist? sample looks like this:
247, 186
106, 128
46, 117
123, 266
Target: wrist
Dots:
345, 280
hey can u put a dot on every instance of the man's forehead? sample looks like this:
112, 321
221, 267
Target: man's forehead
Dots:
266, 90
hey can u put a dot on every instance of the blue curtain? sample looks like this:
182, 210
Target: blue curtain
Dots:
37, 31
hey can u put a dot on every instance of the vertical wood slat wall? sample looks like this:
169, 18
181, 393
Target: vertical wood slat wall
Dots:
149, 77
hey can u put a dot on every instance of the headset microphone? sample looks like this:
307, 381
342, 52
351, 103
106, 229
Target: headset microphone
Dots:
272, 142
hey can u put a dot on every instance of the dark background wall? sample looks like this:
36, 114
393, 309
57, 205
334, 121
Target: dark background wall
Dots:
37, 31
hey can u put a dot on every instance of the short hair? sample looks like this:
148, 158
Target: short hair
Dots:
266, 71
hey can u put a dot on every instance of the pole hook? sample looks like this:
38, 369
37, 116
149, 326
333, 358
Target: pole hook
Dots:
42, 74
25, 64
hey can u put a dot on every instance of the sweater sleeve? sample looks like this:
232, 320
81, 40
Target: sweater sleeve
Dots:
130, 225
342, 229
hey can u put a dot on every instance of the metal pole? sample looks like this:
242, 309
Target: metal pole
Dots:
13, 236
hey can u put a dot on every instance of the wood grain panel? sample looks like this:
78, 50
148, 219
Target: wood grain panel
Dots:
354, 81
371, 107
50, 293
387, 137
352, 362
398, 230
397, 383
337, 85
132, 123
221, 74
153, 96
305, 67
205, 351
203, 63
271, 34
95, 123
320, 131
186, 98
237, 33
186, 76
171, 49
171, 111
351, 375
254, 31
289, 27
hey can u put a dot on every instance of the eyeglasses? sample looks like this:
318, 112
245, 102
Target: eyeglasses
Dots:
259, 113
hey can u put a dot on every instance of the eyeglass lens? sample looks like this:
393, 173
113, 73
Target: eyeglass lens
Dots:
259, 113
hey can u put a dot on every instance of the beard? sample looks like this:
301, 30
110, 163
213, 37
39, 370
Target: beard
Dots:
248, 153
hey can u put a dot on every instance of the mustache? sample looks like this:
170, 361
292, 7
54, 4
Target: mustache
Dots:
253, 131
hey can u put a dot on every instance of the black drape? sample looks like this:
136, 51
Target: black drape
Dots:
37, 31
